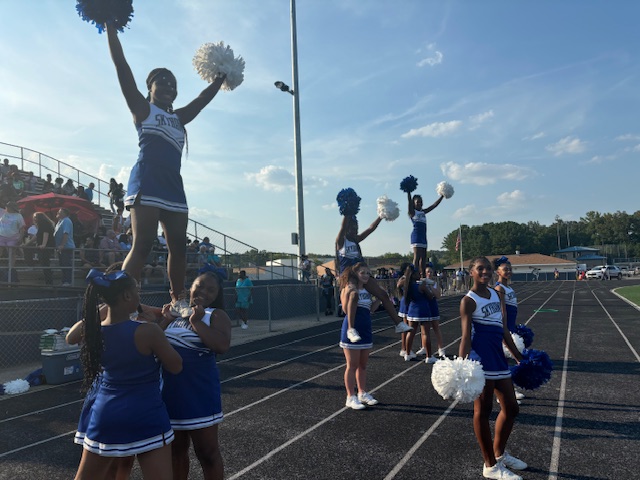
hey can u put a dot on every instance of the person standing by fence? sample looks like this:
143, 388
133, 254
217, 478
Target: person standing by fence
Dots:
243, 298
327, 285
63, 235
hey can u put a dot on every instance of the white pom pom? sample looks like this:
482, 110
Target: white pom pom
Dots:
387, 208
444, 189
458, 378
212, 59
518, 340
16, 386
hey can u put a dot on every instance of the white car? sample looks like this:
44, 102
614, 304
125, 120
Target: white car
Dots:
611, 271
627, 272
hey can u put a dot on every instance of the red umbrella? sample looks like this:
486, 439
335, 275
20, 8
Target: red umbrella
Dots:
80, 210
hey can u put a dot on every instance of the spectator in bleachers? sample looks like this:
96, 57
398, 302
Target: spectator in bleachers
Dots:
81, 193
212, 258
65, 245
47, 186
29, 244
152, 267
31, 183
124, 239
7, 192
113, 187
90, 254
89, 191
57, 187
45, 244
69, 188
18, 183
5, 168
206, 242
110, 248
12, 229
118, 220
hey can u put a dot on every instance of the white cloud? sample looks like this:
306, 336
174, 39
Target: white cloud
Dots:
437, 129
567, 145
628, 136
480, 118
480, 173
465, 212
535, 136
330, 206
272, 178
602, 158
517, 197
434, 56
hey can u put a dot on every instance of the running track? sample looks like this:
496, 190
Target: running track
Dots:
283, 398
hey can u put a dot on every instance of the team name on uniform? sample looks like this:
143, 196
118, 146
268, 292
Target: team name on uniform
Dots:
490, 308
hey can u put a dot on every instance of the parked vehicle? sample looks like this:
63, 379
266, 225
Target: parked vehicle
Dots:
627, 272
608, 271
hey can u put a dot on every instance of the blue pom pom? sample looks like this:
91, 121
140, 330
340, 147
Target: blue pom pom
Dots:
101, 12
533, 371
35, 378
409, 184
348, 201
526, 333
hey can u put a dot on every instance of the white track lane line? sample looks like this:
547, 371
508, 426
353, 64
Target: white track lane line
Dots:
15, 450
626, 340
557, 431
335, 414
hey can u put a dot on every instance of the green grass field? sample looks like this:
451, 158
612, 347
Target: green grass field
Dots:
630, 293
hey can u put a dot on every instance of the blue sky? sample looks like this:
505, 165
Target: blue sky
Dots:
529, 109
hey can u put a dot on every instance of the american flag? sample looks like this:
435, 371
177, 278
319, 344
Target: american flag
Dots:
458, 242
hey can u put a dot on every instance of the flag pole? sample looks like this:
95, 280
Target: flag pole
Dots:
460, 237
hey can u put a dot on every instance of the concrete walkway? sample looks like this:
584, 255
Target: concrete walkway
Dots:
257, 330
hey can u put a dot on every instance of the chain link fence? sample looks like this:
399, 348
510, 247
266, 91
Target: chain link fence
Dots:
23, 322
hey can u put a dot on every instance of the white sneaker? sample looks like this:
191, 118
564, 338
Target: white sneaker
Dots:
244, 326
441, 352
354, 403
353, 335
403, 353
366, 399
500, 472
511, 462
409, 356
431, 359
402, 327
422, 351
519, 395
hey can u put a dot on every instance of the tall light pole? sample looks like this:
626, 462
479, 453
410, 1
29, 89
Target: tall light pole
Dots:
295, 93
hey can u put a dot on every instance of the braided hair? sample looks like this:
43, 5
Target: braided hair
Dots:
107, 291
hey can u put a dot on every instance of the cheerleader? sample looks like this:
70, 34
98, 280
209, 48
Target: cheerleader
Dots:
433, 294
418, 216
155, 193
353, 281
193, 396
348, 253
503, 271
416, 297
402, 307
128, 416
483, 332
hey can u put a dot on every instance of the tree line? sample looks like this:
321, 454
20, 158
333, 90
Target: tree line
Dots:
613, 234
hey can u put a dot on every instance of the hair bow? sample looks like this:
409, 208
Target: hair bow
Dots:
101, 279
430, 265
502, 260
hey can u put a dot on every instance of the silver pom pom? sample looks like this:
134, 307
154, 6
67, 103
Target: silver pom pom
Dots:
213, 59
462, 379
16, 386
387, 208
518, 340
444, 189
